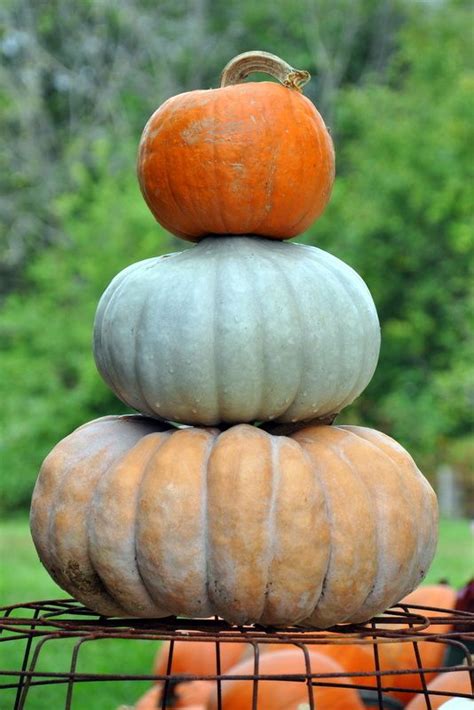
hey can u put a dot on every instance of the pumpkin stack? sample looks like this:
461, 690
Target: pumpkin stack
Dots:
251, 504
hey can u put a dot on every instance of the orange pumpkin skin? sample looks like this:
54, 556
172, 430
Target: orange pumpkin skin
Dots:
254, 158
197, 658
455, 682
401, 656
354, 658
282, 695
397, 655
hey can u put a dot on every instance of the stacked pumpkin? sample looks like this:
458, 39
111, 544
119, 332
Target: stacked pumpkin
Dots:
232, 493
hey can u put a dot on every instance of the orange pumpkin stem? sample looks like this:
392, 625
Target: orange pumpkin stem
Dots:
244, 64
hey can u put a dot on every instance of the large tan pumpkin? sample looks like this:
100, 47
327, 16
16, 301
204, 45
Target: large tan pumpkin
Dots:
332, 524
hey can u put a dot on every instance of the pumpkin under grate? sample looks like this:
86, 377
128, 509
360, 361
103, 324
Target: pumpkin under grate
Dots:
26, 629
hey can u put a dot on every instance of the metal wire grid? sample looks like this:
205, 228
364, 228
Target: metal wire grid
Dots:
41, 622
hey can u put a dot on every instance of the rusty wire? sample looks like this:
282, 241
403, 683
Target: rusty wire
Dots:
36, 624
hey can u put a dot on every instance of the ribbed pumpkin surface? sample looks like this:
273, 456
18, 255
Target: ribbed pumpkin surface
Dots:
255, 158
329, 525
237, 330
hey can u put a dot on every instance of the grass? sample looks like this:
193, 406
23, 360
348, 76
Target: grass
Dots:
24, 579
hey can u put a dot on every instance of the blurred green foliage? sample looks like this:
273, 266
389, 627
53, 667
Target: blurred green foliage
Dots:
399, 103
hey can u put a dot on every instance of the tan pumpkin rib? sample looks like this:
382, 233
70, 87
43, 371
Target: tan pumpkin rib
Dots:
299, 534
112, 521
67, 500
416, 490
351, 569
239, 486
395, 525
170, 543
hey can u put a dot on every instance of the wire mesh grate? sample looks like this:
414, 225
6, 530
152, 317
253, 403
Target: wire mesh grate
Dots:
31, 627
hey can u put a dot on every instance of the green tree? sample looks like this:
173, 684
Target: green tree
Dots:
401, 214
49, 381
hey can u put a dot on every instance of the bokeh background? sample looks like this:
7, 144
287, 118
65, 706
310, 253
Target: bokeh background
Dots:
394, 81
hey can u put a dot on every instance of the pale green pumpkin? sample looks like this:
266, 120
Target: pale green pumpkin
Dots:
238, 329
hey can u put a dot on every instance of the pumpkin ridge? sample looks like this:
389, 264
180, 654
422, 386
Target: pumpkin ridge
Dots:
310, 206
327, 507
136, 367
264, 256
178, 106
255, 289
95, 541
275, 480
213, 330
380, 550
421, 511
338, 333
135, 526
379, 563
268, 187
75, 578
335, 497
238, 538
217, 178
325, 407
361, 309
301, 355
330, 520
72, 577
206, 516
342, 282
170, 549
106, 305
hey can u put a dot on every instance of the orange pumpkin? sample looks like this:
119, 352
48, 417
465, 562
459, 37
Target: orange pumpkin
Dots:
285, 694
354, 658
197, 658
397, 655
454, 682
401, 655
251, 158
194, 658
